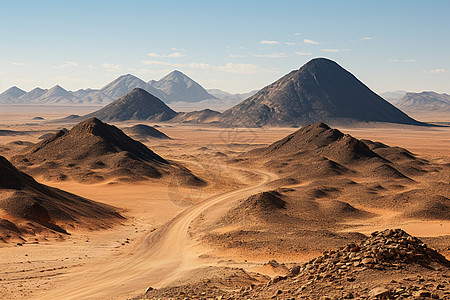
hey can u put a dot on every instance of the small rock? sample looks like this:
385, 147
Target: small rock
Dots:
367, 261
379, 293
422, 293
349, 296
295, 270
277, 293
278, 278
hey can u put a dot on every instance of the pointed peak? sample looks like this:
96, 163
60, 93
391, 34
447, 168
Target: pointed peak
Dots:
137, 92
175, 74
57, 87
14, 91
14, 88
127, 76
320, 125
320, 63
321, 60
316, 135
38, 89
92, 120
91, 125
178, 73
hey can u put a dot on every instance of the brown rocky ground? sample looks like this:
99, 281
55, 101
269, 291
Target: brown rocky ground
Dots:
387, 265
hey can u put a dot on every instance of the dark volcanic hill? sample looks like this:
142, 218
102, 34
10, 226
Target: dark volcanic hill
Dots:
95, 151
23, 200
136, 105
323, 151
321, 90
198, 116
142, 131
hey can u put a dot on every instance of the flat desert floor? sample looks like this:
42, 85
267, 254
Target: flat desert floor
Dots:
156, 244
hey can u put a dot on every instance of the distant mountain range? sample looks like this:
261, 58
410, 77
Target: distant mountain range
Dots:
231, 98
424, 101
175, 88
393, 96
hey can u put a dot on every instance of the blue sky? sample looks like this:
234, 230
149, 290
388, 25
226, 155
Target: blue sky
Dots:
232, 45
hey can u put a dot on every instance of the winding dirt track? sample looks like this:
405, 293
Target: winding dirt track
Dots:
158, 259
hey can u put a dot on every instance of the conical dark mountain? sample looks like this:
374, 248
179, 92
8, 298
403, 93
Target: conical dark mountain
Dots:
179, 87
95, 151
321, 90
136, 105
27, 201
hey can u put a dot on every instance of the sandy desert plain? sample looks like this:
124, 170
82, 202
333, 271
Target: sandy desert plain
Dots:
212, 244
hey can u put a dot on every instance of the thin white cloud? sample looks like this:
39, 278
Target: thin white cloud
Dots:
18, 63
67, 64
154, 55
271, 55
176, 54
240, 68
297, 33
303, 53
367, 38
331, 50
395, 60
435, 71
143, 71
237, 56
173, 54
290, 43
266, 42
311, 42
178, 49
112, 67
178, 65
229, 67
